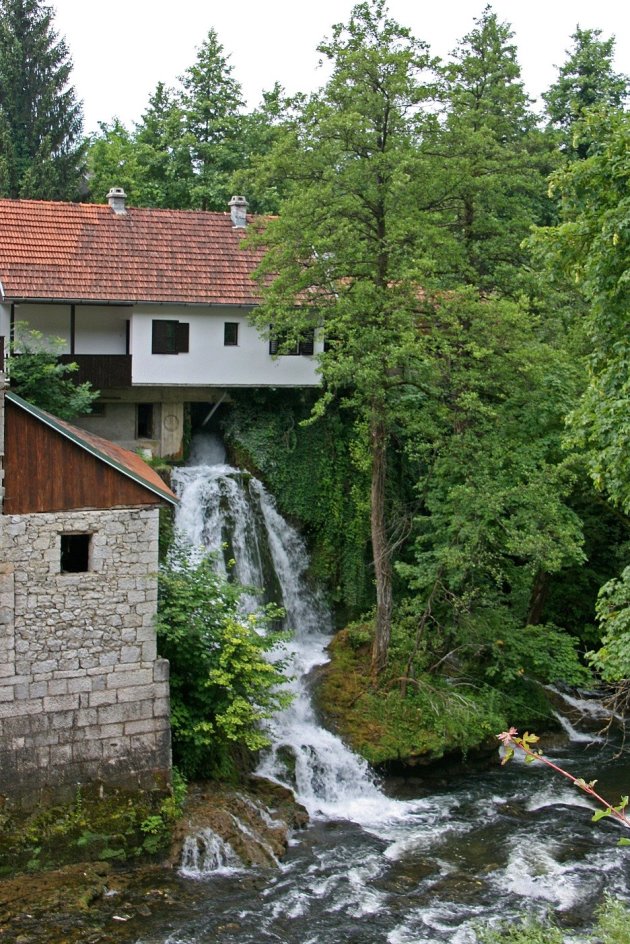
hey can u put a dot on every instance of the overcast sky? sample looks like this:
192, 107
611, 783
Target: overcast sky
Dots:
121, 49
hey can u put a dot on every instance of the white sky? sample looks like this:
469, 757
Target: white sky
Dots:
121, 49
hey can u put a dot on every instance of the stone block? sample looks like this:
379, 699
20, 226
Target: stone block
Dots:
54, 703
133, 677
135, 693
108, 697
161, 707
62, 719
130, 654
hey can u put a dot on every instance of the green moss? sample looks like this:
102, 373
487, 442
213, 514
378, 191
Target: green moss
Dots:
118, 827
435, 716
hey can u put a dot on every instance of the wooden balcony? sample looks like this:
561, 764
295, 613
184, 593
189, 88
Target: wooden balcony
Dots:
103, 371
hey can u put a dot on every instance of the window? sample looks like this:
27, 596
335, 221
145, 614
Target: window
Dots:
98, 409
305, 346
169, 337
144, 421
230, 333
75, 553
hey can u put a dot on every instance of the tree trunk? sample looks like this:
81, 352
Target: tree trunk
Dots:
538, 598
380, 548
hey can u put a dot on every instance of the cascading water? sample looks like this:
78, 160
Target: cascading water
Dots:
229, 512
370, 868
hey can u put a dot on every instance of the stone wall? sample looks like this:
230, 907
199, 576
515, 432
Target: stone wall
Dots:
83, 697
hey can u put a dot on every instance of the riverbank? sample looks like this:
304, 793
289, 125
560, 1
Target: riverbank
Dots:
108, 900
438, 720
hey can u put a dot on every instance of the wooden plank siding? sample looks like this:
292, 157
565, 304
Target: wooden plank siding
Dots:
45, 471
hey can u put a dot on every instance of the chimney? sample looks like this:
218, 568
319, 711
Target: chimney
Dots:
116, 199
238, 212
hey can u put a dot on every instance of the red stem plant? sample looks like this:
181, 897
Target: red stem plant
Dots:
512, 742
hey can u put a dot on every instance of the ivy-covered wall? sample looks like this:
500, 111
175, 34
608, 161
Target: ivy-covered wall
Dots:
315, 472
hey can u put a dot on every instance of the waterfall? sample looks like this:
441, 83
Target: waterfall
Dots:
228, 512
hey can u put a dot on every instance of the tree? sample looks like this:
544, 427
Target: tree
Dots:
591, 247
495, 160
585, 80
211, 101
343, 256
492, 518
36, 373
163, 157
112, 161
41, 121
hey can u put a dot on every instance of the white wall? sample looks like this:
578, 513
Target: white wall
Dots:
100, 329
5, 321
209, 362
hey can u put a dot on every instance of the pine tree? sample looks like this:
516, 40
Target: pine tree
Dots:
211, 102
585, 80
163, 156
496, 160
42, 150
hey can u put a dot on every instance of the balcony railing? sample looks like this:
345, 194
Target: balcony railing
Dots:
103, 371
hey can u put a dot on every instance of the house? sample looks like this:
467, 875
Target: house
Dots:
152, 304
83, 696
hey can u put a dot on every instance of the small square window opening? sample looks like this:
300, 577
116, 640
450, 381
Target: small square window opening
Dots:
75, 553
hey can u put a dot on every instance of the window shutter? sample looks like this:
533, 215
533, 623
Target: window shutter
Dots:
182, 333
273, 342
161, 337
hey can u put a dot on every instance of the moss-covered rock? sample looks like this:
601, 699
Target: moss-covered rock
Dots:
435, 717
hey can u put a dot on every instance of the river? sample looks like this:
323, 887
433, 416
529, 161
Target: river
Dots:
383, 861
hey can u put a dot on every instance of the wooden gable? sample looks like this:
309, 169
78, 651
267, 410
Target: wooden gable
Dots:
45, 470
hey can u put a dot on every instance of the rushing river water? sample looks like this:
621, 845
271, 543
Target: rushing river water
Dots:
383, 862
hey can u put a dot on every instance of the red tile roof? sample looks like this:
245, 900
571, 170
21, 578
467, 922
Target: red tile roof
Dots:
84, 252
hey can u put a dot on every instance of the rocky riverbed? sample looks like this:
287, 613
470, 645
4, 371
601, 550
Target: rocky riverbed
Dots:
99, 902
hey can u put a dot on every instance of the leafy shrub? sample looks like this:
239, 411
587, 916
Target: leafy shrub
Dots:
222, 686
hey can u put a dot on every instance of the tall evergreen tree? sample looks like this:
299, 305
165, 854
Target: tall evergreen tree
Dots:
348, 239
164, 161
495, 161
586, 79
42, 150
211, 102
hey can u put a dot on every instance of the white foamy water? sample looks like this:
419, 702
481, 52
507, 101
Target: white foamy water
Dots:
207, 853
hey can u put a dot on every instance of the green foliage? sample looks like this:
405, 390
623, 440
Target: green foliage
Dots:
592, 247
584, 81
491, 187
434, 715
222, 686
613, 612
193, 144
41, 152
36, 374
311, 469
527, 931
118, 827
613, 922
492, 516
